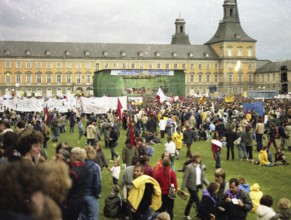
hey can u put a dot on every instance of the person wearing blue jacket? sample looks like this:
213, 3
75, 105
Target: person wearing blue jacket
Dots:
90, 210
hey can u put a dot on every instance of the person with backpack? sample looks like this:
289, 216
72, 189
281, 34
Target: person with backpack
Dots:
113, 203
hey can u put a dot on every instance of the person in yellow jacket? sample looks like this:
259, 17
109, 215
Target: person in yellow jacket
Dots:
263, 157
255, 195
178, 140
146, 193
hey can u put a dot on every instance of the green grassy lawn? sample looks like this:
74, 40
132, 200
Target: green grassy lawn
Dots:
274, 181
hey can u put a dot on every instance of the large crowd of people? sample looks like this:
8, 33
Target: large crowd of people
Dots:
38, 186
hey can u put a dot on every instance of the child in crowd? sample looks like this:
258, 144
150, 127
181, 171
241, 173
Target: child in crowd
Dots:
284, 211
113, 203
243, 185
115, 171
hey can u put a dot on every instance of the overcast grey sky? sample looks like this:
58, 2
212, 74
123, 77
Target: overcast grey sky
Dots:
144, 21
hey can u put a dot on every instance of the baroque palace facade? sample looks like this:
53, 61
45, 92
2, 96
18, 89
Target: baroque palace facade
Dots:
227, 62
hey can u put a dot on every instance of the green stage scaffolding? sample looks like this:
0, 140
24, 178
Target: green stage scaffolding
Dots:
138, 82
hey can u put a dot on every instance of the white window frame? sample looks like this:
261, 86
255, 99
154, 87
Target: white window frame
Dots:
230, 77
191, 78
78, 79
7, 65
28, 79
49, 78
200, 78
250, 52
28, 65
88, 65
59, 78
69, 78
239, 52
229, 52
69, 65
18, 78
78, 65
18, 65
59, 65
88, 79
38, 78
8, 78
48, 65
38, 65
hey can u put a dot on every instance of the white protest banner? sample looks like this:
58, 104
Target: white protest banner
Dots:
102, 105
92, 105
27, 105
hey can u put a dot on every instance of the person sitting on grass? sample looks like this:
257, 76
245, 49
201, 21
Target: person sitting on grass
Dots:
263, 157
255, 195
284, 211
265, 210
280, 158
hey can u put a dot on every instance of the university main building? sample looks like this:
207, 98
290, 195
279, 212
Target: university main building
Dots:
226, 64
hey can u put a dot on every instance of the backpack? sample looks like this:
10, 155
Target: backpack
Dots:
112, 206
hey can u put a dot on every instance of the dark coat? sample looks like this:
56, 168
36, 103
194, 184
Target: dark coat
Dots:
207, 206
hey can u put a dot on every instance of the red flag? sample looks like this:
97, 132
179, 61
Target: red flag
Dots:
181, 98
131, 133
46, 115
119, 107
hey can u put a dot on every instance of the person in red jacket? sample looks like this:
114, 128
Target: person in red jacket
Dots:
166, 177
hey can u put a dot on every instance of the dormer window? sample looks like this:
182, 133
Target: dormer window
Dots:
157, 54
174, 54
105, 53
27, 53
237, 36
67, 53
86, 53
7, 52
122, 53
190, 54
206, 55
47, 53
140, 54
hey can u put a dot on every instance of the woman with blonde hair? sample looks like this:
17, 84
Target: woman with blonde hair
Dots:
90, 208
163, 216
284, 211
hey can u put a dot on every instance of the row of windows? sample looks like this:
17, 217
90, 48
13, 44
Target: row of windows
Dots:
155, 66
267, 77
48, 78
239, 51
46, 52
231, 66
104, 53
47, 65
78, 65
208, 78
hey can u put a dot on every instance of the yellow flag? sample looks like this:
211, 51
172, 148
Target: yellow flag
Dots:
202, 100
229, 98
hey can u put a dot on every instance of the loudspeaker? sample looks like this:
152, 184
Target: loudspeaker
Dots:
284, 73
284, 88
